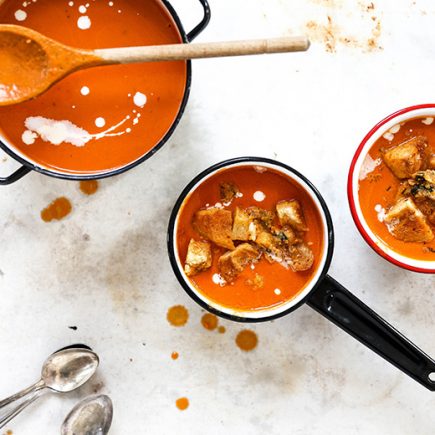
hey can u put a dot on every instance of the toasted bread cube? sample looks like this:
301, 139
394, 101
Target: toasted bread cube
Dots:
407, 158
427, 207
290, 213
241, 223
431, 161
232, 263
407, 223
300, 257
228, 191
198, 257
215, 225
286, 234
261, 215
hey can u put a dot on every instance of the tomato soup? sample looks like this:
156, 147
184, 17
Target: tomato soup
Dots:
103, 118
387, 183
263, 283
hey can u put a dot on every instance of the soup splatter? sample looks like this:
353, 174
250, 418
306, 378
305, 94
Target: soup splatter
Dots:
177, 315
89, 187
57, 210
182, 403
247, 340
397, 188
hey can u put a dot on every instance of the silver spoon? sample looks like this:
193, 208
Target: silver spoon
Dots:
92, 416
62, 372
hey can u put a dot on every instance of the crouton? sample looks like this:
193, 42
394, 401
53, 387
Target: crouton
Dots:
300, 257
215, 225
198, 257
228, 191
286, 234
407, 223
264, 216
407, 158
271, 244
241, 223
427, 207
232, 263
431, 161
290, 213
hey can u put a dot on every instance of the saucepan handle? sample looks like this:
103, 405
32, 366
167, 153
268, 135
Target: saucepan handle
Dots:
203, 24
20, 173
344, 309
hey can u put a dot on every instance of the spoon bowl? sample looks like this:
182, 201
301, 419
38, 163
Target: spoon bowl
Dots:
69, 369
92, 416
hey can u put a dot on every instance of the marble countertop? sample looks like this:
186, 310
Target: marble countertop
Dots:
105, 270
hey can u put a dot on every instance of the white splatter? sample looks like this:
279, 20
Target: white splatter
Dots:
427, 121
29, 137
277, 291
389, 136
140, 99
85, 90
82, 9
259, 196
368, 166
84, 22
218, 280
20, 15
100, 122
380, 212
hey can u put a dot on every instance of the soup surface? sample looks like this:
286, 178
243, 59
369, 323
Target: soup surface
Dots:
397, 189
103, 118
270, 269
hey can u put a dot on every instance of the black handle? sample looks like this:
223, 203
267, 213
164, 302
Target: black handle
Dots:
203, 24
20, 173
344, 309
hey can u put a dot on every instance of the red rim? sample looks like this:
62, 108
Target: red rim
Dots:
351, 194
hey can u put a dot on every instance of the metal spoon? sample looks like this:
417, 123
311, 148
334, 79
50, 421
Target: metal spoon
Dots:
92, 416
31, 62
62, 372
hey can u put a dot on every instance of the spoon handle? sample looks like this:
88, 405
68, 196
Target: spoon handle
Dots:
13, 405
203, 50
17, 409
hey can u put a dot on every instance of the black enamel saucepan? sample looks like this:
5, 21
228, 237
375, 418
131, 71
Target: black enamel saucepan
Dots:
322, 293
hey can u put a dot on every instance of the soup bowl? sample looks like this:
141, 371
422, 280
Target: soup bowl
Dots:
167, 21
380, 246
321, 292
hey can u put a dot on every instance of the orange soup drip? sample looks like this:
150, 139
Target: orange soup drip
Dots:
222, 329
209, 321
240, 294
177, 315
174, 355
98, 99
182, 403
89, 187
57, 210
247, 340
380, 188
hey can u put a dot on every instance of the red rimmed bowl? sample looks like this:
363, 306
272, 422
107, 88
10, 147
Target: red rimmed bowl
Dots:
377, 243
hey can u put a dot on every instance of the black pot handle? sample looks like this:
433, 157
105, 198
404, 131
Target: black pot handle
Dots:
20, 173
344, 309
203, 24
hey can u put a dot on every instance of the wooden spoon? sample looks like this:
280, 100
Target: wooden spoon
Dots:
31, 63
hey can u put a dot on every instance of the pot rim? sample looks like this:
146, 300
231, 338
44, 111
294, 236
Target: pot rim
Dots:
274, 312
369, 236
34, 166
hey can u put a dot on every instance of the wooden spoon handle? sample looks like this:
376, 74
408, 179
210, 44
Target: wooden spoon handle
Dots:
202, 50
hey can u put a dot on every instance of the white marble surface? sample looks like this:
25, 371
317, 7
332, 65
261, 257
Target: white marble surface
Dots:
306, 377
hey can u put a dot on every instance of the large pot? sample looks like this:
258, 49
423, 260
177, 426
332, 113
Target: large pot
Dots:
32, 165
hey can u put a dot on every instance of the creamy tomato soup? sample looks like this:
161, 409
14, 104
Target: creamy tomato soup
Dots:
397, 188
102, 118
249, 238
